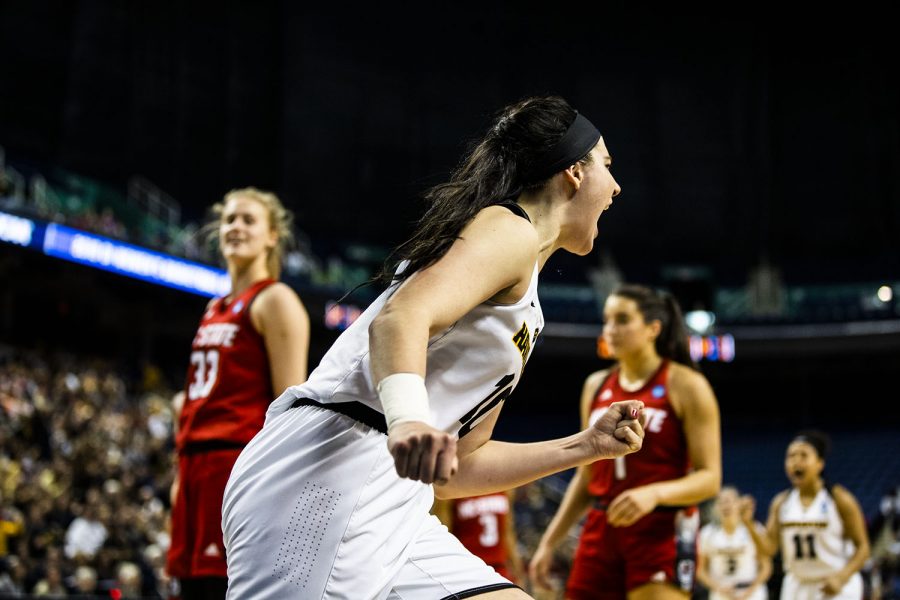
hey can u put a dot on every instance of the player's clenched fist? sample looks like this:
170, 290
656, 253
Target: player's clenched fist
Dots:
422, 453
620, 430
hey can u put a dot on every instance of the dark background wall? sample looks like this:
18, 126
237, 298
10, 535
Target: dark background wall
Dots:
733, 137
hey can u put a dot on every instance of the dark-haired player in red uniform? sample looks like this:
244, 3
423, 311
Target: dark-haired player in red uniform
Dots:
250, 346
486, 526
639, 539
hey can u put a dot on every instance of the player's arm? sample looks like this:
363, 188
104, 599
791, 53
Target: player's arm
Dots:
700, 421
510, 540
177, 405
493, 258
703, 573
765, 540
443, 510
576, 500
178, 399
763, 564
855, 531
280, 317
487, 466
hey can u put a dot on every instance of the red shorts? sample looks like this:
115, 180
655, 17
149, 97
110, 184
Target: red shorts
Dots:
197, 549
611, 561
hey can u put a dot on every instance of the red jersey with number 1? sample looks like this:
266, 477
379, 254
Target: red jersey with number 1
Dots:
480, 524
228, 387
663, 455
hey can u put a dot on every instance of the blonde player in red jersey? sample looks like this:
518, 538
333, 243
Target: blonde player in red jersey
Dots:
250, 346
639, 538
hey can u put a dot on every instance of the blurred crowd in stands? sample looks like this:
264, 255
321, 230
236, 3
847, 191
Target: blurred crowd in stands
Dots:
86, 462
85, 469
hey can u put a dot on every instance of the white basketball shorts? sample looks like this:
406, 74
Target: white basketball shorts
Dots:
794, 589
314, 509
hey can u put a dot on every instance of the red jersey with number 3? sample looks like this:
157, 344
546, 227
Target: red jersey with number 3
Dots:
480, 523
663, 455
228, 387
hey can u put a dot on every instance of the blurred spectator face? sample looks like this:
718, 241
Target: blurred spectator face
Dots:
128, 578
86, 580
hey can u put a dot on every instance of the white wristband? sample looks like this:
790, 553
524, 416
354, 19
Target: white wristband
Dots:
404, 398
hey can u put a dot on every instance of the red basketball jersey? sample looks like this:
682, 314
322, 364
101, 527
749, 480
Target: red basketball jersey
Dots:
663, 455
228, 387
480, 523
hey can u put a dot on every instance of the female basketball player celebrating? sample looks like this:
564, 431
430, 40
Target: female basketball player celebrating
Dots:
321, 504
249, 347
639, 538
812, 524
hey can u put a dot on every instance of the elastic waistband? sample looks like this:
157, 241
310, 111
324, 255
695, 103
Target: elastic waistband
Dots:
211, 446
355, 410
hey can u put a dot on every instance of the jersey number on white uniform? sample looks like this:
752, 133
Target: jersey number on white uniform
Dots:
490, 532
206, 369
730, 565
810, 539
497, 395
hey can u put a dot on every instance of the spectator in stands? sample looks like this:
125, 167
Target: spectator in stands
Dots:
128, 580
728, 564
810, 524
85, 581
639, 537
87, 532
250, 346
12, 524
13, 574
52, 583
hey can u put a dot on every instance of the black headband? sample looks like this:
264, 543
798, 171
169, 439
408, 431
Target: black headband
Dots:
579, 139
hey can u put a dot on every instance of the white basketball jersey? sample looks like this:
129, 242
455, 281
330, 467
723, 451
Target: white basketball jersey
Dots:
731, 556
812, 538
473, 366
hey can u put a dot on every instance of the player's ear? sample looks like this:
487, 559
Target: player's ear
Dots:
574, 175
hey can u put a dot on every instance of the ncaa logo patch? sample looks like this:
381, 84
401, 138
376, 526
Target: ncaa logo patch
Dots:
237, 307
658, 391
606, 395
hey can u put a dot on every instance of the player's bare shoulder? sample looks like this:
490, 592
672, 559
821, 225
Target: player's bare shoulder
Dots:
276, 303
778, 501
689, 388
593, 381
684, 378
506, 229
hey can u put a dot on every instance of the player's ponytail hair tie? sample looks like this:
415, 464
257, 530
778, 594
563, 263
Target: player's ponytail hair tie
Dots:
575, 144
